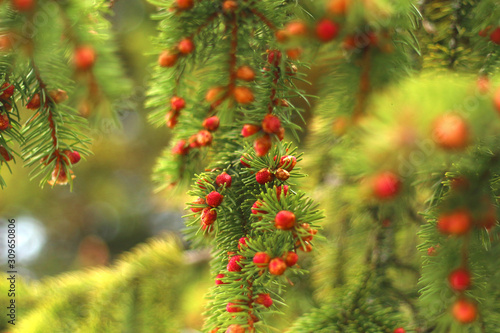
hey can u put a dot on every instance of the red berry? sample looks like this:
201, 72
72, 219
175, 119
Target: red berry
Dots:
495, 36
199, 201
167, 59
208, 216
186, 46
282, 174
84, 57
284, 220
294, 53
245, 73
218, 279
211, 124
386, 185
464, 311
256, 205
34, 103
73, 156
274, 57
264, 299
291, 258
262, 145
234, 328
23, 5
279, 190
177, 103
204, 138
229, 6
243, 95
496, 99
214, 199
263, 176
277, 266
234, 264
459, 279
288, 162
5, 154
261, 259
232, 307
456, 223
222, 179
326, 30
339, 7
249, 130
214, 93
242, 242
7, 91
4, 122
450, 131
244, 159
184, 4
399, 330
296, 28
271, 124
180, 148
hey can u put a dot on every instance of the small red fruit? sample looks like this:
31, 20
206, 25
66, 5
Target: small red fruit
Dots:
5, 154
279, 189
234, 328
264, 299
296, 28
214, 93
455, 223
208, 216
177, 103
294, 53
262, 145
167, 59
386, 185
218, 279
261, 259
464, 311
4, 122
232, 307
185, 46
271, 124
245, 73
263, 176
242, 242
243, 95
234, 264
495, 36
291, 258
255, 207
7, 90
450, 131
326, 30
214, 199
244, 159
284, 220
274, 57
339, 7
204, 138
249, 130
222, 179
277, 266
73, 156
282, 174
199, 201
229, 6
288, 162
34, 103
184, 4
459, 279
211, 123
84, 57
23, 5
180, 148
399, 330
